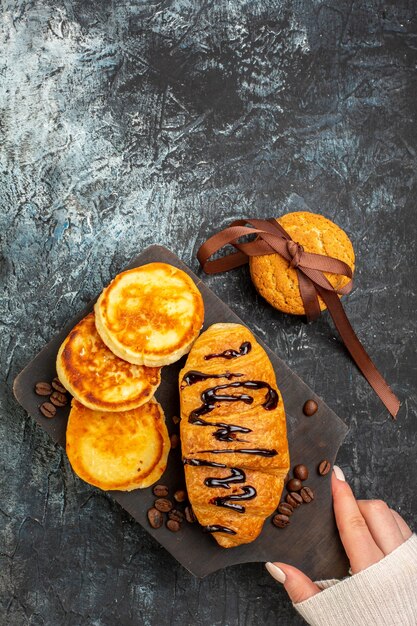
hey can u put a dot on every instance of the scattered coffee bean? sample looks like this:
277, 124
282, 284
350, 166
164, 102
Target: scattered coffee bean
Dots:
47, 409
155, 518
324, 467
160, 491
307, 494
301, 472
58, 386
285, 508
180, 495
163, 504
43, 389
189, 515
173, 525
294, 499
310, 407
176, 515
280, 521
294, 484
176, 419
175, 441
58, 398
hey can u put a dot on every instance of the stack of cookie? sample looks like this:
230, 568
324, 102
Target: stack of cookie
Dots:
111, 364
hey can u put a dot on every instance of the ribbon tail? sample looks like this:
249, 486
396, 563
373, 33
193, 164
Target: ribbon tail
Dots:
358, 352
308, 295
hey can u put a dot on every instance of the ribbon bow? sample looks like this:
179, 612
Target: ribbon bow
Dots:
273, 238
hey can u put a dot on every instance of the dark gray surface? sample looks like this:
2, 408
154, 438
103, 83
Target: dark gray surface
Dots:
139, 123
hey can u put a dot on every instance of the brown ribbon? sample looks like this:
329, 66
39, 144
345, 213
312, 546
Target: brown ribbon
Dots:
273, 238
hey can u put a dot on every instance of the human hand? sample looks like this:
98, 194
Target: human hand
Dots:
369, 530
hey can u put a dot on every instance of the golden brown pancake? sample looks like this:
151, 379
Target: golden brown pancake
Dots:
98, 378
124, 451
233, 433
150, 315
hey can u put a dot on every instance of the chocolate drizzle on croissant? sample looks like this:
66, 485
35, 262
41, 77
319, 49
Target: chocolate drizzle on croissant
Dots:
248, 493
257, 451
226, 432
194, 376
210, 397
216, 528
237, 476
245, 348
202, 462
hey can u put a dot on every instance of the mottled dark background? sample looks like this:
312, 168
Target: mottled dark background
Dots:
129, 123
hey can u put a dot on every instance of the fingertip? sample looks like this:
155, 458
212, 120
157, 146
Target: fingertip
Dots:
276, 572
342, 494
338, 484
298, 586
338, 472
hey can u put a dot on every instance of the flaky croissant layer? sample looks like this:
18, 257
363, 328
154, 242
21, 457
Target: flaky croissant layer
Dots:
233, 434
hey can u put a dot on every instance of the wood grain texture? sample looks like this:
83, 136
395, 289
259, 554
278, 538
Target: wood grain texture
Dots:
128, 124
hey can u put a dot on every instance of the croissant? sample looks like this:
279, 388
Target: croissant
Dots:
233, 434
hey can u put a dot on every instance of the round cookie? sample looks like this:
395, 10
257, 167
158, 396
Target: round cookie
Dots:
277, 282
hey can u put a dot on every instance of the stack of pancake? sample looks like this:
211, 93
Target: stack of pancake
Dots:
111, 364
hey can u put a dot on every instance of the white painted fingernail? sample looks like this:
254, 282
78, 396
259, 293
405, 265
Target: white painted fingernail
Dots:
275, 572
339, 474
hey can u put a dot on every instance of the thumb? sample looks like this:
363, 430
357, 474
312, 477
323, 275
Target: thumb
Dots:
298, 586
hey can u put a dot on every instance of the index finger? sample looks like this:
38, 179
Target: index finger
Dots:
357, 540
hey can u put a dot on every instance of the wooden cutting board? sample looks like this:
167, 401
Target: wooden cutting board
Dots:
310, 542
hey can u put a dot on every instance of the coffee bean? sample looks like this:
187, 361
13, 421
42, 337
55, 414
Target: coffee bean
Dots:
180, 495
285, 508
160, 491
176, 419
280, 521
175, 441
43, 389
301, 472
189, 515
58, 398
324, 467
176, 515
155, 518
294, 484
310, 407
307, 494
47, 409
163, 504
173, 525
58, 386
294, 499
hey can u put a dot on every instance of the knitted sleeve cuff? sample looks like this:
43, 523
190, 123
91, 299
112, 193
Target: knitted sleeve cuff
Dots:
384, 594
